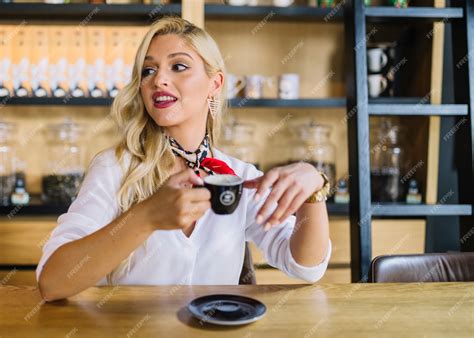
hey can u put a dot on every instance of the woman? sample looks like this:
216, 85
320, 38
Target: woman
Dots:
136, 220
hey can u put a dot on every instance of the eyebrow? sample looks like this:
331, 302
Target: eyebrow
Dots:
172, 55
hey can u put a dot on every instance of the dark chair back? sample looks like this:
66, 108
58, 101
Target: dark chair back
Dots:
247, 276
437, 267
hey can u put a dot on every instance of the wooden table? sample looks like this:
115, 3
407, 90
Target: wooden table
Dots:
326, 310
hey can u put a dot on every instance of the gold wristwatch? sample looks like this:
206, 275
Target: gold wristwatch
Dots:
320, 195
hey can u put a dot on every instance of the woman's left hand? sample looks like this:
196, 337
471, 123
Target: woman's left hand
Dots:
292, 185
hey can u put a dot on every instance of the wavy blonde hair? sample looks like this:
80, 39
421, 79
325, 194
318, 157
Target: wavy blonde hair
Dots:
142, 140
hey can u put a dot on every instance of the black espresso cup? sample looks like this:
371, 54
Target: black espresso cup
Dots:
225, 192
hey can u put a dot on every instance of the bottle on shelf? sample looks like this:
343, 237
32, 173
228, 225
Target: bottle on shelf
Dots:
238, 141
342, 191
58, 62
311, 143
20, 196
413, 194
21, 63
7, 161
399, 3
64, 165
386, 162
5, 62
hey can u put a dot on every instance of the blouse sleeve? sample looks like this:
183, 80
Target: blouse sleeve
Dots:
94, 207
275, 243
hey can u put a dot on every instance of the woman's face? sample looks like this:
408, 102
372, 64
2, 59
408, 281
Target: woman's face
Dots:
175, 85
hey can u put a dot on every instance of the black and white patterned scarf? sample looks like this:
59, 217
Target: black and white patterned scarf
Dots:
193, 159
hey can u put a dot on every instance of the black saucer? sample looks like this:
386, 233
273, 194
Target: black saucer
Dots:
227, 309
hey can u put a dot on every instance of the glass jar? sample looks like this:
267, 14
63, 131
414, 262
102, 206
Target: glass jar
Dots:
238, 141
64, 166
7, 161
386, 163
311, 143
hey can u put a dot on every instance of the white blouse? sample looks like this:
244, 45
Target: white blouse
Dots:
214, 252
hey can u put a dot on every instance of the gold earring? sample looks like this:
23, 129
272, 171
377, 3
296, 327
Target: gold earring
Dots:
213, 104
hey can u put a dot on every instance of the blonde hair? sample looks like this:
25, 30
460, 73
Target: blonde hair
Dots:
142, 140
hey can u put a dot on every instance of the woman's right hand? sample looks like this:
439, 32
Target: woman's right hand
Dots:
175, 205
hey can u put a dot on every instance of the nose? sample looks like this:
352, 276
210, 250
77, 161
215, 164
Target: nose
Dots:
161, 78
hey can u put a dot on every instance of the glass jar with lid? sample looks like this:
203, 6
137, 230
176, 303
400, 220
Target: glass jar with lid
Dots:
238, 141
311, 143
64, 165
7, 161
386, 162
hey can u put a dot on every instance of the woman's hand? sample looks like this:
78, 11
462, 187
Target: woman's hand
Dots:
292, 185
175, 205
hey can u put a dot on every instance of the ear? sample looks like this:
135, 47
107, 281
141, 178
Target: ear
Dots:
217, 81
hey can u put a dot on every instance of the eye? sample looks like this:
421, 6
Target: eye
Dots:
147, 71
179, 67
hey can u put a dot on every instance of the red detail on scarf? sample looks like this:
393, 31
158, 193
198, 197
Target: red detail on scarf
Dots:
217, 166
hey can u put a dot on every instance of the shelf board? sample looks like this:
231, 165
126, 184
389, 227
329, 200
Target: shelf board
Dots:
418, 109
337, 209
387, 13
13, 211
57, 101
271, 13
337, 102
120, 13
379, 106
398, 100
420, 210
234, 103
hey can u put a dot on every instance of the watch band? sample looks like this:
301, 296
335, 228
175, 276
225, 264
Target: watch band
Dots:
320, 195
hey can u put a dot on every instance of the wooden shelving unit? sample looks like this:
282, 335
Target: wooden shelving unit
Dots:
138, 13
362, 209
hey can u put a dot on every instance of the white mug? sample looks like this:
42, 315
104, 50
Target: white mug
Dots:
254, 86
234, 85
289, 86
270, 87
377, 84
377, 59
282, 3
237, 2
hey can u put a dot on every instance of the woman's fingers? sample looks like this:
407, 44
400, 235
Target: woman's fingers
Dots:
198, 194
277, 192
266, 182
283, 205
253, 184
185, 177
197, 209
191, 212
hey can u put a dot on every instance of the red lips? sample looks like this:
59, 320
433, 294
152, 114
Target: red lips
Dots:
166, 103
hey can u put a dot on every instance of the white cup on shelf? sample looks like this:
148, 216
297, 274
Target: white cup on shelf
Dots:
289, 86
235, 84
237, 2
254, 86
377, 83
282, 3
377, 59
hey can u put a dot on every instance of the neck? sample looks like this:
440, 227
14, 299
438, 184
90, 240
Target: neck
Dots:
189, 139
